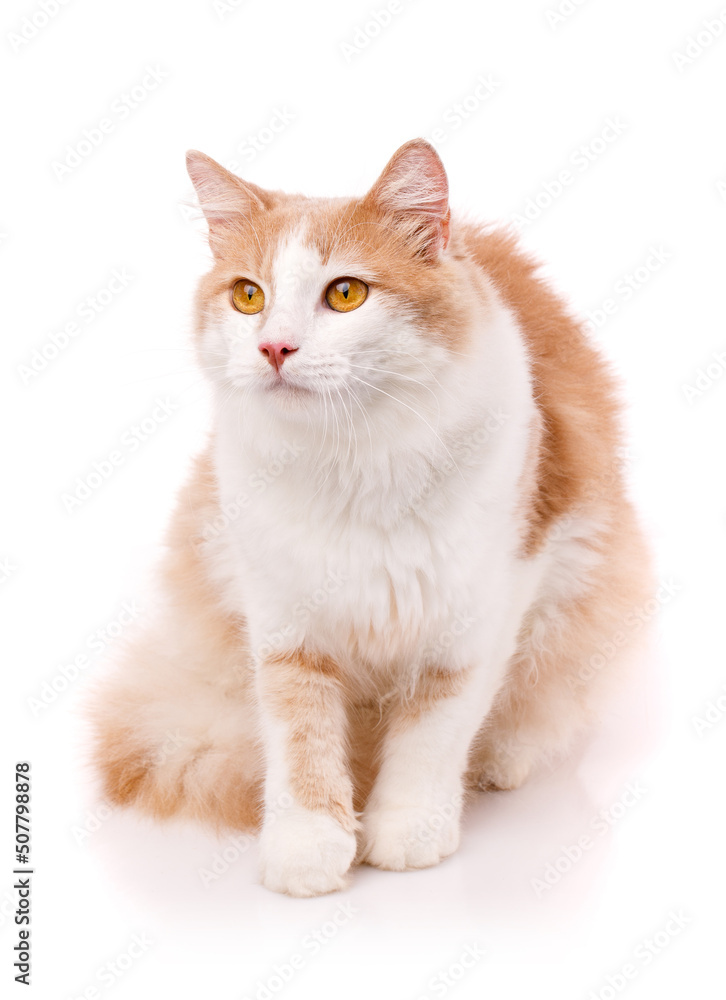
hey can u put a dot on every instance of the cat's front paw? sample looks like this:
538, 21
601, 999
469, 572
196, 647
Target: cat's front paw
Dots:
305, 853
401, 838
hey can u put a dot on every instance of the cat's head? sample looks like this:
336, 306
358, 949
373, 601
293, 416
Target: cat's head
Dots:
318, 302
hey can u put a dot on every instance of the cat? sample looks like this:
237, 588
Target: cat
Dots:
392, 574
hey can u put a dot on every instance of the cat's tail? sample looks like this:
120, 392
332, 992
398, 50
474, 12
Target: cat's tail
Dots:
174, 739
176, 722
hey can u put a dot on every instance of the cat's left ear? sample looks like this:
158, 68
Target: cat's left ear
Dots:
414, 185
228, 202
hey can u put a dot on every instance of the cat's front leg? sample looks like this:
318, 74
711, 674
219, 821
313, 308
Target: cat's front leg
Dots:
308, 839
412, 818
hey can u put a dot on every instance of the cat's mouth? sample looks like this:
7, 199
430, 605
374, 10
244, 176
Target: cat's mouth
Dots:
285, 386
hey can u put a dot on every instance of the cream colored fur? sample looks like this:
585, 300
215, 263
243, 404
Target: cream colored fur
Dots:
392, 568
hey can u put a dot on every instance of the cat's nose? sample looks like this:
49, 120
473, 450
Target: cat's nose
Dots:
276, 353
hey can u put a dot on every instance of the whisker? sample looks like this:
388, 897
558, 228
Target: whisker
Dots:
409, 378
416, 413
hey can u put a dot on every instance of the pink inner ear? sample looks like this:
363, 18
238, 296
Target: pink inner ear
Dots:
220, 193
227, 201
414, 182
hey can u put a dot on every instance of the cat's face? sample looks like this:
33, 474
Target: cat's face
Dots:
317, 303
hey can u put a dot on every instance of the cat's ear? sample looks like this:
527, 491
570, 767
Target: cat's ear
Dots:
414, 185
227, 201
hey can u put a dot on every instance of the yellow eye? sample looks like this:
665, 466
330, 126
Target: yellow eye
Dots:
345, 294
247, 296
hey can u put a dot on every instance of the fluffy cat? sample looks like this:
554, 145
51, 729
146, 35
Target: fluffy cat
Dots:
394, 570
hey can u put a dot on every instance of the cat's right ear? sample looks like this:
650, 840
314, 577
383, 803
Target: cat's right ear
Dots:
227, 201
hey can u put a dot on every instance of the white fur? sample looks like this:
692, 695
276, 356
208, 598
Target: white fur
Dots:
352, 518
305, 853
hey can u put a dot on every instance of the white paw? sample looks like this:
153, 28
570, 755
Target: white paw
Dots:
305, 853
399, 838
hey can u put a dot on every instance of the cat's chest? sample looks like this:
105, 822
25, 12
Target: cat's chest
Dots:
313, 547
383, 590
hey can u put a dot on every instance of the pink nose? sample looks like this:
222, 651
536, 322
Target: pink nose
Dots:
276, 353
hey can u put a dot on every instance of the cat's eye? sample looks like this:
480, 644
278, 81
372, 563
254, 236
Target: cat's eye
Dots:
345, 294
247, 296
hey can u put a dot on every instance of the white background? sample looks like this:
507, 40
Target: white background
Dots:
659, 184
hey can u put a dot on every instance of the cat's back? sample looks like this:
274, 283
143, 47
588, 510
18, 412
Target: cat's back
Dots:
578, 462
